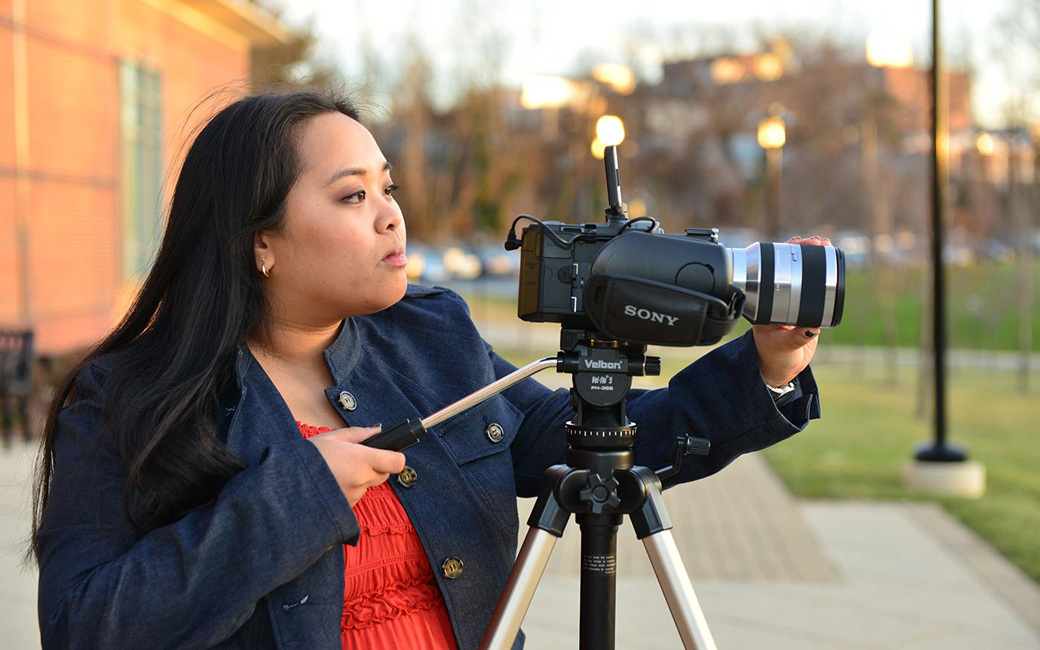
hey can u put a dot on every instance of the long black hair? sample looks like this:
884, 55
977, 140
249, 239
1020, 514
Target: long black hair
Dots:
177, 345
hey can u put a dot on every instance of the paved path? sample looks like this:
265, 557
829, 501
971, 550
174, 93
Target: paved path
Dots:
17, 581
770, 572
773, 572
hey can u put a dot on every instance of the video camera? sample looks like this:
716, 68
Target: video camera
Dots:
629, 281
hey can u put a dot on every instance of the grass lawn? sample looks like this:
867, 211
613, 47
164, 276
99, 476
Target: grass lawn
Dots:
982, 306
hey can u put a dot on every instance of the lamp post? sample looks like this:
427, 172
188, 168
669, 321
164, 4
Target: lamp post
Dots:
940, 466
772, 135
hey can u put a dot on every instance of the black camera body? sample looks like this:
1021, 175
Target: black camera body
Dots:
628, 283
553, 276
624, 279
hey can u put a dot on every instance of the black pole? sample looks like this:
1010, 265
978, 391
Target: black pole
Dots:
938, 450
598, 587
617, 208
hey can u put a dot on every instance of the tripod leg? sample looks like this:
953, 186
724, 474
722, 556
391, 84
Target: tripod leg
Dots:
653, 525
519, 591
678, 591
546, 522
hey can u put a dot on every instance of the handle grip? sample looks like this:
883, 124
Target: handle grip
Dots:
398, 437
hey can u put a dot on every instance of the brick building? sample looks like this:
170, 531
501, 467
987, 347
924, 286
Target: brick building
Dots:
96, 99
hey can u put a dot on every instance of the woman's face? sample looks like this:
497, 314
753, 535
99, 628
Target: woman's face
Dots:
342, 250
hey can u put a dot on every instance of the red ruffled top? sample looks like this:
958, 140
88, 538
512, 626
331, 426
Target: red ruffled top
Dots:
391, 599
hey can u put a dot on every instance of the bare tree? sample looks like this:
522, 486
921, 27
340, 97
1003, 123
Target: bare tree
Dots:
1019, 48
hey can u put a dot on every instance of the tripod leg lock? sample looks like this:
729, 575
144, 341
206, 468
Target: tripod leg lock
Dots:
548, 514
651, 517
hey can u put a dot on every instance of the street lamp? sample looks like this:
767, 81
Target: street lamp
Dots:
940, 466
772, 135
985, 144
610, 132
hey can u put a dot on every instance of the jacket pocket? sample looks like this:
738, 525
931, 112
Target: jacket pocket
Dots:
486, 429
479, 441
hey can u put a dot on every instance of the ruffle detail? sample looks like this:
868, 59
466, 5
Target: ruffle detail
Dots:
390, 603
376, 531
310, 431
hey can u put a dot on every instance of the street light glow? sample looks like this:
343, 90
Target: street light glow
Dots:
598, 149
885, 51
768, 67
610, 130
771, 133
985, 144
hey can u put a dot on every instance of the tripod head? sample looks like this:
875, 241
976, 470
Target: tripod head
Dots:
602, 370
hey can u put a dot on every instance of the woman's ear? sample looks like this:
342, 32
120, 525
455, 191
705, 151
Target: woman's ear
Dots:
263, 253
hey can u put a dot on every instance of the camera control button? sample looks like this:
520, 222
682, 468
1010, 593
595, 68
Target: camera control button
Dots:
347, 401
494, 432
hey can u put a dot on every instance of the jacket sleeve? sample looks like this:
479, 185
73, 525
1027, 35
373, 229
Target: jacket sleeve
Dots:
720, 397
187, 584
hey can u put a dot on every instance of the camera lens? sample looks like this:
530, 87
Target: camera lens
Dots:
791, 284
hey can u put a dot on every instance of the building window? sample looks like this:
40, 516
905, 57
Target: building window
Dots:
141, 182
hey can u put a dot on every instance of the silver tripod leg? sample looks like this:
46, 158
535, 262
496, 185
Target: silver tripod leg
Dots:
678, 591
516, 597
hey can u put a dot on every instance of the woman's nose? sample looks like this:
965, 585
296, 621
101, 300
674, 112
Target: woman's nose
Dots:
389, 217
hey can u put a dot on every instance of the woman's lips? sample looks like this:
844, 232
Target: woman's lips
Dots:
396, 259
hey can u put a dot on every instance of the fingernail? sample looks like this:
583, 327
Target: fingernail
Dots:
377, 425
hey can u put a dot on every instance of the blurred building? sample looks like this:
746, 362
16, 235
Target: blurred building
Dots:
746, 84
96, 99
857, 127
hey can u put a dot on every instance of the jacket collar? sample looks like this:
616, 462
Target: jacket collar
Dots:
340, 357
343, 354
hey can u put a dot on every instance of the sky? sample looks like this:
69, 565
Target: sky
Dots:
555, 37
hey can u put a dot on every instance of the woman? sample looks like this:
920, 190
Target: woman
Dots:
201, 482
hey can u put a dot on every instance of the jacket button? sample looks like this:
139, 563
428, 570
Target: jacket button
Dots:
452, 568
407, 477
494, 432
347, 401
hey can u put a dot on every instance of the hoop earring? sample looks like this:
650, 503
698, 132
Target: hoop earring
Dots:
263, 267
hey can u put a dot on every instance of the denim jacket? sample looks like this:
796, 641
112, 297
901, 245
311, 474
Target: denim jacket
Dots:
261, 565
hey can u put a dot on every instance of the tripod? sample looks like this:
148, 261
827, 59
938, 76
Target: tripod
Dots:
599, 484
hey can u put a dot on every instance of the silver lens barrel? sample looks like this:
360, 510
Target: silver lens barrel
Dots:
790, 284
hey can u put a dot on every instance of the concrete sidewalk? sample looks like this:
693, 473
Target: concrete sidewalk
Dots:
773, 572
770, 572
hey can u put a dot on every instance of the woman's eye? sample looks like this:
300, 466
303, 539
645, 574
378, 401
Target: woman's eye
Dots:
391, 189
356, 197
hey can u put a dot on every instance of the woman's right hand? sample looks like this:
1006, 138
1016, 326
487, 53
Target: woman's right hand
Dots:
355, 466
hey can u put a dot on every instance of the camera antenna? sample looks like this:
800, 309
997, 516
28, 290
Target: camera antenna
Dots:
610, 130
618, 209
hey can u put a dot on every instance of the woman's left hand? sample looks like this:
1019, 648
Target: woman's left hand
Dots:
784, 351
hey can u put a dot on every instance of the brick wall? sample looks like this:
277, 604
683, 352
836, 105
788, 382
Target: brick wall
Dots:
72, 205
